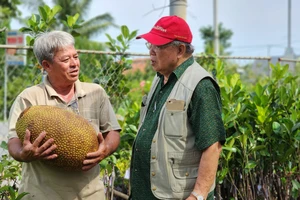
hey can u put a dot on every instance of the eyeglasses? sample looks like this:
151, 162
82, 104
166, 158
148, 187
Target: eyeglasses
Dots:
155, 47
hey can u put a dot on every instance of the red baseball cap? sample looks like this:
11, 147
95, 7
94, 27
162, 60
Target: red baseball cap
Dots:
168, 29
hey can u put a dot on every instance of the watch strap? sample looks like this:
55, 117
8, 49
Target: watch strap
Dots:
198, 196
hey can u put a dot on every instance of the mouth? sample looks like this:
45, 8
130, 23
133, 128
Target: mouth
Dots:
152, 62
74, 72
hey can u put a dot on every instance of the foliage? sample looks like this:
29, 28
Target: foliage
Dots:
261, 157
45, 20
9, 177
89, 27
8, 11
207, 34
113, 68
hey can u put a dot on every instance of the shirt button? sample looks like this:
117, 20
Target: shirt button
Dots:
187, 174
136, 149
153, 141
154, 188
144, 129
160, 92
135, 170
153, 157
153, 174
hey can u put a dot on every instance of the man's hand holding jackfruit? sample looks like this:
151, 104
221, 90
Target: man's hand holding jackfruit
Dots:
28, 151
108, 143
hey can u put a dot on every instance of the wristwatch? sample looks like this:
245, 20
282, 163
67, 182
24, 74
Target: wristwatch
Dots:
198, 196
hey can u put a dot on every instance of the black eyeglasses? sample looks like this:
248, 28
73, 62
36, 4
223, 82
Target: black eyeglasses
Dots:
155, 47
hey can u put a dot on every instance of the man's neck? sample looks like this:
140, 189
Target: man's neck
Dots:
66, 92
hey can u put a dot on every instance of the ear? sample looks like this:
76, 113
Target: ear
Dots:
181, 50
46, 65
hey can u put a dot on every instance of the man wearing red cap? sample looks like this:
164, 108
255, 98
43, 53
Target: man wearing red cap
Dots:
179, 141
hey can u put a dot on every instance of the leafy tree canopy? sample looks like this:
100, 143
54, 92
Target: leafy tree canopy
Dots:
207, 34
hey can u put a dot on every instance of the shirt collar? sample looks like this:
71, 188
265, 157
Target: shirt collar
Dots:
78, 88
181, 68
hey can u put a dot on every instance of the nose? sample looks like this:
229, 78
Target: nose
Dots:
74, 62
152, 50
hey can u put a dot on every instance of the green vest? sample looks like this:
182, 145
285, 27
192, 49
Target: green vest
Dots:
174, 157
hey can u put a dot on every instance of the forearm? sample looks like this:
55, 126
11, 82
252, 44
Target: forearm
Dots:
15, 149
112, 141
207, 169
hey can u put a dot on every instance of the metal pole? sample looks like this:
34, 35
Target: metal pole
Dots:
178, 8
289, 24
216, 29
5, 93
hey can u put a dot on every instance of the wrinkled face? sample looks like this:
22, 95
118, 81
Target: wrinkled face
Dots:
164, 59
65, 66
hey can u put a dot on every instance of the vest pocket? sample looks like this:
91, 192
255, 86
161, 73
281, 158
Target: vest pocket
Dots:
184, 170
174, 123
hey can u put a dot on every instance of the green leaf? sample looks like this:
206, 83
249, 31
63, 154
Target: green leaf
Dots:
70, 21
43, 13
109, 38
75, 17
75, 33
3, 145
120, 38
133, 127
234, 80
104, 163
261, 113
125, 31
276, 127
250, 165
295, 127
132, 35
259, 89
296, 185
231, 149
56, 9
12, 193
243, 140
25, 29
20, 196
258, 147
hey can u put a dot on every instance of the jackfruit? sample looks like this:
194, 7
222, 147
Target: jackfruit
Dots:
73, 135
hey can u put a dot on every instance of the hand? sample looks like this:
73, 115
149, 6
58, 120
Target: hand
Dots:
36, 151
92, 159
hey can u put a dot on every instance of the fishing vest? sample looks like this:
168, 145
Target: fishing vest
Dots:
174, 159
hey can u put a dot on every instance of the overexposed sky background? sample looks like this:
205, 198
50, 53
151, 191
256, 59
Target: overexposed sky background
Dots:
259, 26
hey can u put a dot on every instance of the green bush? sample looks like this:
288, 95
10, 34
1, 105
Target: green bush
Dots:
10, 175
261, 157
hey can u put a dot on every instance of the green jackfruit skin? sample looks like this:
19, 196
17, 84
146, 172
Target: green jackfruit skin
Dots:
73, 135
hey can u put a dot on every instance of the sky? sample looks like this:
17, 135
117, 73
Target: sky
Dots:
260, 27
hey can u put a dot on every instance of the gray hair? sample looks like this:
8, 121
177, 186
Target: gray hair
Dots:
46, 44
189, 48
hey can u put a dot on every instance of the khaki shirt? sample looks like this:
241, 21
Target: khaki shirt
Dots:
48, 183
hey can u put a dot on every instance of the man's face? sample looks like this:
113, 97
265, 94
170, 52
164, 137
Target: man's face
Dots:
65, 66
164, 58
